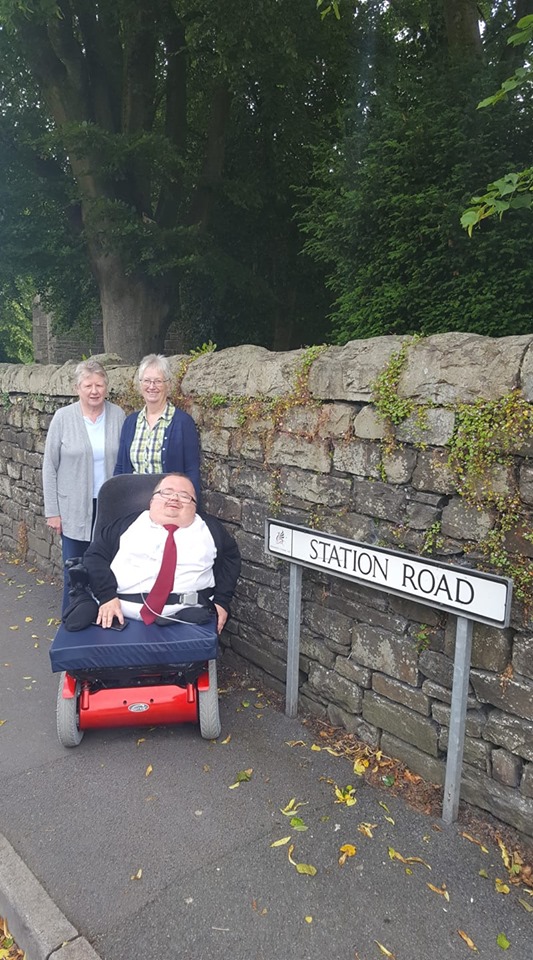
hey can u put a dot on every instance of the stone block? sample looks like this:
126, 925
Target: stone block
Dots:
249, 446
501, 801
40, 548
422, 732
259, 574
432, 472
437, 692
475, 752
352, 671
291, 451
379, 500
399, 465
515, 695
387, 652
334, 628
491, 648
410, 697
510, 732
422, 515
464, 522
433, 428
435, 666
426, 766
362, 458
523, 656
311, 648
353, 526
308, 703
506, 768
253, 483
261, 657
216, 442
527, 373
475, 719
302, 485
329, 686
451, 368
526, 786
348, 373
354, 724
253, 516
335, 420
526, 483
245, 371
223, 507
368, 425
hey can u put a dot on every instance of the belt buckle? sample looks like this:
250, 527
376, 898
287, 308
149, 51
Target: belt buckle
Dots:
190, 598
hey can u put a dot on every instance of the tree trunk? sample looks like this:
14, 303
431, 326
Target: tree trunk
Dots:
462, 28
135, 311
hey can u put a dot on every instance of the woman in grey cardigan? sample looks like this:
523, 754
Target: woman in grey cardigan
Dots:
79, 455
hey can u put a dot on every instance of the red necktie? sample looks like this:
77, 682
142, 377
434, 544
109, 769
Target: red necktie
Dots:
158, 596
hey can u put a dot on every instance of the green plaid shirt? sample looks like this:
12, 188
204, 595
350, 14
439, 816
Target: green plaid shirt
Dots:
145, 450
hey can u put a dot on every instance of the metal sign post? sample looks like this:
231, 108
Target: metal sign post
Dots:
469, 594
456, 735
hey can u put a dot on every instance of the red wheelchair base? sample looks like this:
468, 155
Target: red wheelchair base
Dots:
82, 706
134, 706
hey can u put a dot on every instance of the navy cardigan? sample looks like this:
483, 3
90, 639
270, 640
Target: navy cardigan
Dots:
180, 451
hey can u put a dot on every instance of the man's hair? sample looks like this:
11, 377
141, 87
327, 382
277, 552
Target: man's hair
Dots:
167, 475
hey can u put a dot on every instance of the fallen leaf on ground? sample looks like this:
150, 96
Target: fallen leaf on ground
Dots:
473, 840
384, 950
442, 890
347, 850
394, 855
502, 941
138, 875
280, 843
292, 806
227, 740
468, 940
243, 776
500, 886
345, 795
367, 828
148, 770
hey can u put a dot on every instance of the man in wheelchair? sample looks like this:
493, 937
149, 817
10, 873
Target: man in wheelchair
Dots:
168, 574
164, 564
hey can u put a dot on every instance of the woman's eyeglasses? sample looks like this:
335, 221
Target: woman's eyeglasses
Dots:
146, 382
175, 495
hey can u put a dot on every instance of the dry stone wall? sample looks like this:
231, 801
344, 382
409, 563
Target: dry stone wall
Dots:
302, 436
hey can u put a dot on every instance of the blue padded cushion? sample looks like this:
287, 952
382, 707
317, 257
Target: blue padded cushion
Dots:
136, 646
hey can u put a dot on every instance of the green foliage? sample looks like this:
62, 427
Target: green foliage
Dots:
16, 321
383, 206
514, 191
389, 406
487, 435
511, 192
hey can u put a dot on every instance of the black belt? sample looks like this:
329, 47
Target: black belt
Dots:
194, 596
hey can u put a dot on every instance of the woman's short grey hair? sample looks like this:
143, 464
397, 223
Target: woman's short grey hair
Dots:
90, 368
155, 360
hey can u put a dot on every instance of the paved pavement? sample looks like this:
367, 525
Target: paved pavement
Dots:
78, 826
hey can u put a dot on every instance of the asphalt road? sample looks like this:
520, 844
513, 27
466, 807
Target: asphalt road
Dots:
170, 862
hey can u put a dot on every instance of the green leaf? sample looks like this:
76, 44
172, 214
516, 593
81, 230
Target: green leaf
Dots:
307, 869
502, 941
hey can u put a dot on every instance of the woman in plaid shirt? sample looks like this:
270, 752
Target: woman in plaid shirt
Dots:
160, 438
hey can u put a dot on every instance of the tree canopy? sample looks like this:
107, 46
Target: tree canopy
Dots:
274, 173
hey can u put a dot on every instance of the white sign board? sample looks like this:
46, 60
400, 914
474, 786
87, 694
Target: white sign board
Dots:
460, 590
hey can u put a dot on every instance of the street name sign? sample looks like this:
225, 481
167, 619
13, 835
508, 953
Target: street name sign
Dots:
471, 595
460, 590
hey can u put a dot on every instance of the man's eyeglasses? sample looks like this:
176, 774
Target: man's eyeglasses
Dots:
175, 495
147, 382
